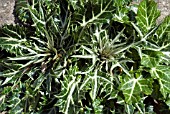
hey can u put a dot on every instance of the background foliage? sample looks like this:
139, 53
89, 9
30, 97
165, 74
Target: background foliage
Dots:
85, 56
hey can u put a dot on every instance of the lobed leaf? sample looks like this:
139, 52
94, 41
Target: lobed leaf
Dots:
158, 71
162, 35
134, 88
146, 15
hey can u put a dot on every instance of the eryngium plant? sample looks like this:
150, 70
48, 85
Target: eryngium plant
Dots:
77, 57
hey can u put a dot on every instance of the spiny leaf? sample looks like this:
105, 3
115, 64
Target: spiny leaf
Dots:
68, 94
147, 15
159, 72
95, 11
162, 74
121, 11
129, 109
151, 58
162, 35
16, 43
133, 88
164, 28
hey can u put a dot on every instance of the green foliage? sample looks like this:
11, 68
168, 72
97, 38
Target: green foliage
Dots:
147, 15
85, 56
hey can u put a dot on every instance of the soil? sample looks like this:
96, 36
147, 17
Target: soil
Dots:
7, 8
6, 12
164, 6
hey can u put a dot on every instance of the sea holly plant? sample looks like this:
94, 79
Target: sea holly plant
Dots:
77, 57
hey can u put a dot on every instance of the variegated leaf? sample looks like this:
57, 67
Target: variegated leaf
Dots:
147, 15
133, 88
163, 34
94, 11
159, 72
